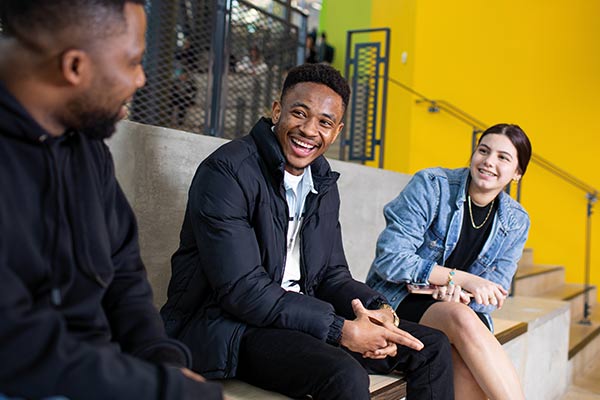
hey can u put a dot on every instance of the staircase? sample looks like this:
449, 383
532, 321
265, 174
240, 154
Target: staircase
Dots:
548, 282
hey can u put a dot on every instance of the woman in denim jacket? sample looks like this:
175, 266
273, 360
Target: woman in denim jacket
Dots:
458, 230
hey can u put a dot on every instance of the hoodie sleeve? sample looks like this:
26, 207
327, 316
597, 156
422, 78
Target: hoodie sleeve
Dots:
135, 322
41, 358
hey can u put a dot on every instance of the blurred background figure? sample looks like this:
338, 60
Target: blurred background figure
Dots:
325, 50
184, 87
311, 47
183, 94
253, 63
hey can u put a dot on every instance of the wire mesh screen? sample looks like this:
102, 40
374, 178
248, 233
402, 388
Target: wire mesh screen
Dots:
263, 47
176, 64
190, 61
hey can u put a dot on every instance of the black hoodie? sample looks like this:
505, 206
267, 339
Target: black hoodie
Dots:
76, 312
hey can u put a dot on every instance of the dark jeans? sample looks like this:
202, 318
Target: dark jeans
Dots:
296, 364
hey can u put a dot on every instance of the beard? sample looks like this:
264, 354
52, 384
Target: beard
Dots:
97, 125
92, 121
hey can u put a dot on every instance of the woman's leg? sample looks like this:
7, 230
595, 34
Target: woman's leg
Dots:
481, 353
465, 385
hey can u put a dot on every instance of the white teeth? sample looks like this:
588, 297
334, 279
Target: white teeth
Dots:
302, 144
487, 172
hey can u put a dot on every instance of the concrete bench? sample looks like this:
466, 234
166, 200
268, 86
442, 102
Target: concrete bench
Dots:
155, 167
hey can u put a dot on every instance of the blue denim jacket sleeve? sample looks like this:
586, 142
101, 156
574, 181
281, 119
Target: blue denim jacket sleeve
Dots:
408, 217
504, 266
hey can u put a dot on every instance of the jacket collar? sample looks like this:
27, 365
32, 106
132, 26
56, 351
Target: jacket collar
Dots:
270, 151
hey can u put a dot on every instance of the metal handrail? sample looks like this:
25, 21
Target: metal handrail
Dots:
477, 127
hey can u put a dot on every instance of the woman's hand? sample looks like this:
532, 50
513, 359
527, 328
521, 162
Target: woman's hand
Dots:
451, 293
484, 292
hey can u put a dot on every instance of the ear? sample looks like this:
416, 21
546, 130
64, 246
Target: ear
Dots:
276, 111
75, 66
338, 130
517, 176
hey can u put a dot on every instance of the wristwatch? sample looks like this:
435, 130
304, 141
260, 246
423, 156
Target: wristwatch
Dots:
386, 306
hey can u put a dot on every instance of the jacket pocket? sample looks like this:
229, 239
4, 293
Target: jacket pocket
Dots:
214, 341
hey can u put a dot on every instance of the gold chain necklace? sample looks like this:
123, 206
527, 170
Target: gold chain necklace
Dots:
486, 217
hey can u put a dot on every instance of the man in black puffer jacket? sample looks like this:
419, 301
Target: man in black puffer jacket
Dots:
260, 285
76, 312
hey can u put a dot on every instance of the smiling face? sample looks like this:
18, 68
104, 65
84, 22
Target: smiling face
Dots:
493, 165
307, 120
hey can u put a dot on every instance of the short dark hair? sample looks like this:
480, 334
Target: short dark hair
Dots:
517, 137
318, 73
23, 19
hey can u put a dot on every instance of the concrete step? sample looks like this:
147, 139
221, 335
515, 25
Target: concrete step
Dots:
540, 356
581, 335
584, 360
574, 293
534, 279
507, 330
584, 342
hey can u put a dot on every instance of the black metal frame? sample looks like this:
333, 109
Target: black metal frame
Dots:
374, 138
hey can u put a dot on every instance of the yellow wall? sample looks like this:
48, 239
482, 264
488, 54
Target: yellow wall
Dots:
337, 17
534, 63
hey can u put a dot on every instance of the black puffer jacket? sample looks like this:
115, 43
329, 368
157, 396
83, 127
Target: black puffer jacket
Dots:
76, 313
228, 269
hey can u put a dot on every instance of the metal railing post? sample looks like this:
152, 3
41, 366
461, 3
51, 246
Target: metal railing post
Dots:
591, 199
217, 72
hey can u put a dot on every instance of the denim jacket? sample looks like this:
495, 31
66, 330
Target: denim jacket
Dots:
423, 226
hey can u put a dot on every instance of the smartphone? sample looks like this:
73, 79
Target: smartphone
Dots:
420, 289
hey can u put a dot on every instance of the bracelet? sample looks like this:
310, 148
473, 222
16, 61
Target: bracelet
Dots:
386, 306
451, 276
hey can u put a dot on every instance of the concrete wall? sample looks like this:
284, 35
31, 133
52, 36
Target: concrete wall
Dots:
155, 167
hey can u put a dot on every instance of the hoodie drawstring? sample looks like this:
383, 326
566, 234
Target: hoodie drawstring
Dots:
79, 227
75, 218
54, 190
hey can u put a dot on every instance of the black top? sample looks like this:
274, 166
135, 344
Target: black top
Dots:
471, 240
470, 243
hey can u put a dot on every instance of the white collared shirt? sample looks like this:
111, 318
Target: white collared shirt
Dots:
297, 188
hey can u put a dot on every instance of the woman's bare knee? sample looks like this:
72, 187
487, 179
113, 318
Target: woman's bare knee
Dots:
457, 321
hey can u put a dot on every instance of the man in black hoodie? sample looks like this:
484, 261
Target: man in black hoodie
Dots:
76, 314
